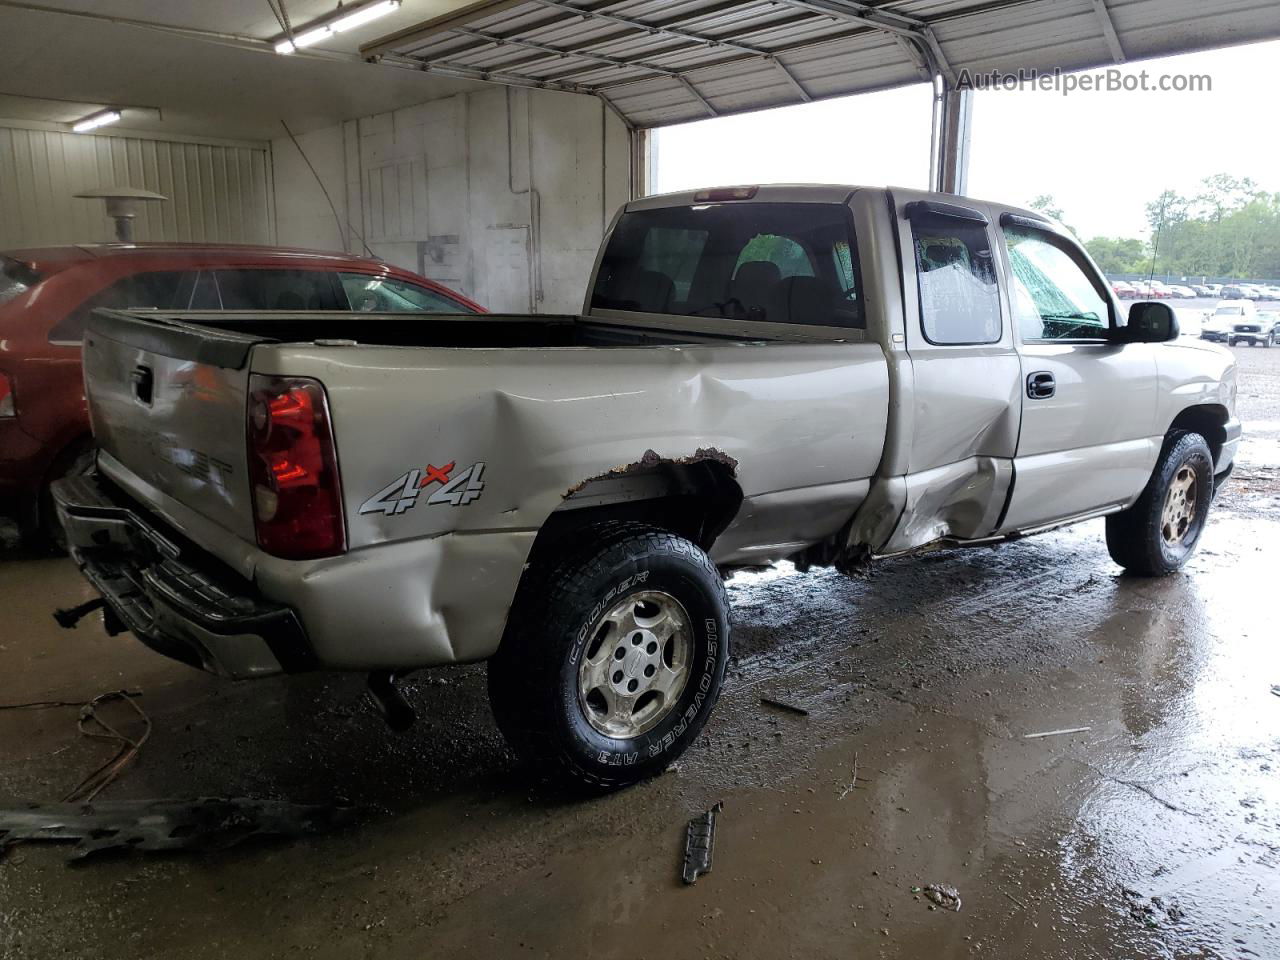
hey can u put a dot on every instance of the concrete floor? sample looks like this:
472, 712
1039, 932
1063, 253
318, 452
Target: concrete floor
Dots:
1156, 833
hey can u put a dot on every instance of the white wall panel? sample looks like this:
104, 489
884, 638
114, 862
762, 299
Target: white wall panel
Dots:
217, 193
501, 194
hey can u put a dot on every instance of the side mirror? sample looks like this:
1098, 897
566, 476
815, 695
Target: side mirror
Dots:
1149, 323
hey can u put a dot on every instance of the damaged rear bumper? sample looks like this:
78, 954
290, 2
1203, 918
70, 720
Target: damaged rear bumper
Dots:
173, 597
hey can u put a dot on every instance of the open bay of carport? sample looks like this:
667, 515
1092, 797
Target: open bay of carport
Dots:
1155, 832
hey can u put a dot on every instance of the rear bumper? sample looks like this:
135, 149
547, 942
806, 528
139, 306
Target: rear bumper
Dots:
173, 597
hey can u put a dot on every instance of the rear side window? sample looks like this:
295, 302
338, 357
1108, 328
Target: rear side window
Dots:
768, 262
160, 289
959, 300
368, 294
279, 290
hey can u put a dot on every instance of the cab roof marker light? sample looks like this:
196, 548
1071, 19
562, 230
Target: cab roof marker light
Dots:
725, 193
93, 121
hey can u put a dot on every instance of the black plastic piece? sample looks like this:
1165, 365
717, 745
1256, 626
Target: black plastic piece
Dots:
396, 710
68, 617
699, 841
918, 209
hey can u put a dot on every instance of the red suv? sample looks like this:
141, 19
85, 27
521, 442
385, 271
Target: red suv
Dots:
47, 294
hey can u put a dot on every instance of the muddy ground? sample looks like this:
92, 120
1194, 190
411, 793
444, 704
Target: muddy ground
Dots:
1153, 833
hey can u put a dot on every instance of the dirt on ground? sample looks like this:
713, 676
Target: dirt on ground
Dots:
929, 804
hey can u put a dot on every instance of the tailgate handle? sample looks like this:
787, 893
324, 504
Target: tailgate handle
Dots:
143, 380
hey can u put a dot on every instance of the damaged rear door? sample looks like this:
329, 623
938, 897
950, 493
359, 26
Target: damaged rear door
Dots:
964, 395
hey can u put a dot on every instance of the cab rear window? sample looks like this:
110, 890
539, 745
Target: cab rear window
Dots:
768, 262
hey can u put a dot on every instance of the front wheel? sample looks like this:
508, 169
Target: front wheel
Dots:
1159, 533
613, 658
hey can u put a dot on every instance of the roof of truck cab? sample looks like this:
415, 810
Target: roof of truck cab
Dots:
811, 193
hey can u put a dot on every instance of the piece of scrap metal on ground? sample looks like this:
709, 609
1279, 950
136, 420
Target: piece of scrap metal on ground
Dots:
699, 840
207, 823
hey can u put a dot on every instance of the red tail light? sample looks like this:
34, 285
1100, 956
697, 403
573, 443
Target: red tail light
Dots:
6, 398
293, 469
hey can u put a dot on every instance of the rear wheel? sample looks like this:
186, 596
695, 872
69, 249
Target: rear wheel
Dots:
613, 658
1159, 533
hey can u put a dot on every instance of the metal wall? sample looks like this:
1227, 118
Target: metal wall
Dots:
217, 192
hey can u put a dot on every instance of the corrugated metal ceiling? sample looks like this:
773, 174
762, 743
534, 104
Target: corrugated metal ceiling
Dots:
659, 62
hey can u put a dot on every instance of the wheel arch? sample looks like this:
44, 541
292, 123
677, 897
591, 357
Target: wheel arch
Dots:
1209, 420
695, 497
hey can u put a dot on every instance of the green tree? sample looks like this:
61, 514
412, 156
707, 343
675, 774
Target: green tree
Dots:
1120, 254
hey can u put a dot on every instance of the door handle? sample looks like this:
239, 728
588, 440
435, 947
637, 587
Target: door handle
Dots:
1041, 386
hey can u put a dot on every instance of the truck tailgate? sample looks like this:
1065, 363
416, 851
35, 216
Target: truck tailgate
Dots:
167, 401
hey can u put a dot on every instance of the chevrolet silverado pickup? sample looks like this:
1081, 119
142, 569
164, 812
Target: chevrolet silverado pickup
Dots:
819, 374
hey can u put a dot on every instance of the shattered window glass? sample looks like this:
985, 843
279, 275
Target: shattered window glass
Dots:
1053, 298
959, 301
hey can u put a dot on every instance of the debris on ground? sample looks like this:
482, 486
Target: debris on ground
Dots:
207, 823
1275, 688
789, 707
943, 895
1056, 733
853, 779
92, 725
700, 838
1150, 913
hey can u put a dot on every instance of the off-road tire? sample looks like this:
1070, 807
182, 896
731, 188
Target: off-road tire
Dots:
1135, 538
534, 677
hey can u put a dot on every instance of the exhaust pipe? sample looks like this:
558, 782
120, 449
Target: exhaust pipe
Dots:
396, 710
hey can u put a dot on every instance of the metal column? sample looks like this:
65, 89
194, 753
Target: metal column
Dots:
952, 123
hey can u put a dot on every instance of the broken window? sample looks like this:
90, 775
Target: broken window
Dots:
959, 301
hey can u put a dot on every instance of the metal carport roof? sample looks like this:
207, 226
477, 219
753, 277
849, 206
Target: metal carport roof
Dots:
658, 62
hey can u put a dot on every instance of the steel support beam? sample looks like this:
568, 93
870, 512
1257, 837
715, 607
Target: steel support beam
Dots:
1109, 31
900, 27
680, 33
952, 124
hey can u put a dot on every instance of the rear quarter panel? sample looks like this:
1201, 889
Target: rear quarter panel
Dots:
544, 420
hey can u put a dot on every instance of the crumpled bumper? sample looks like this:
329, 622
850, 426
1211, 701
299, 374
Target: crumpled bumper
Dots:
172, 596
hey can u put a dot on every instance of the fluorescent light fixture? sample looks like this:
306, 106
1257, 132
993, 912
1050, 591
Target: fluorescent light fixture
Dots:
304, 39
364, 15
96, 120
347, 21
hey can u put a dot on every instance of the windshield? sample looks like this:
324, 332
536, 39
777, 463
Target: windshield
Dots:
772, 262
1229, 311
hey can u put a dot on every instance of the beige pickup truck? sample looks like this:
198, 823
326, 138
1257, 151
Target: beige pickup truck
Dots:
820, 374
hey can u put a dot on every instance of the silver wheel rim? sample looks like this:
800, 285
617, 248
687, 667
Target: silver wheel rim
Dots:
636, 664
1179, 507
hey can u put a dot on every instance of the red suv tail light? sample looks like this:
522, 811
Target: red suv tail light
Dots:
6, 398
293, 469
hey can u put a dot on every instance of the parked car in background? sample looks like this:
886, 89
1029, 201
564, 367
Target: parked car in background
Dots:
1202, 290
1159, 291
1271, 293
47, 294
1232, 291
1141, 289
1123, 289
1258, 330
1251, 291
1182, 293
1227, 314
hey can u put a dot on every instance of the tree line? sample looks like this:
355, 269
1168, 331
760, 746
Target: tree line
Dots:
1229, 228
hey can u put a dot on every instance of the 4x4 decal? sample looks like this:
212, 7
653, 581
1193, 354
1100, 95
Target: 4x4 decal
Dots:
402, 493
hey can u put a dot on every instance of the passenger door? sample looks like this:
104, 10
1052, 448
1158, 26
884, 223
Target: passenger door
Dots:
963, 392
1088, 402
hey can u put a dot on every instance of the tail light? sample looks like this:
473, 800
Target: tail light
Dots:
293, 469
6, 398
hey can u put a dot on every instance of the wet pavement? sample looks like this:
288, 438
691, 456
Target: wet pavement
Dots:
1153, 833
